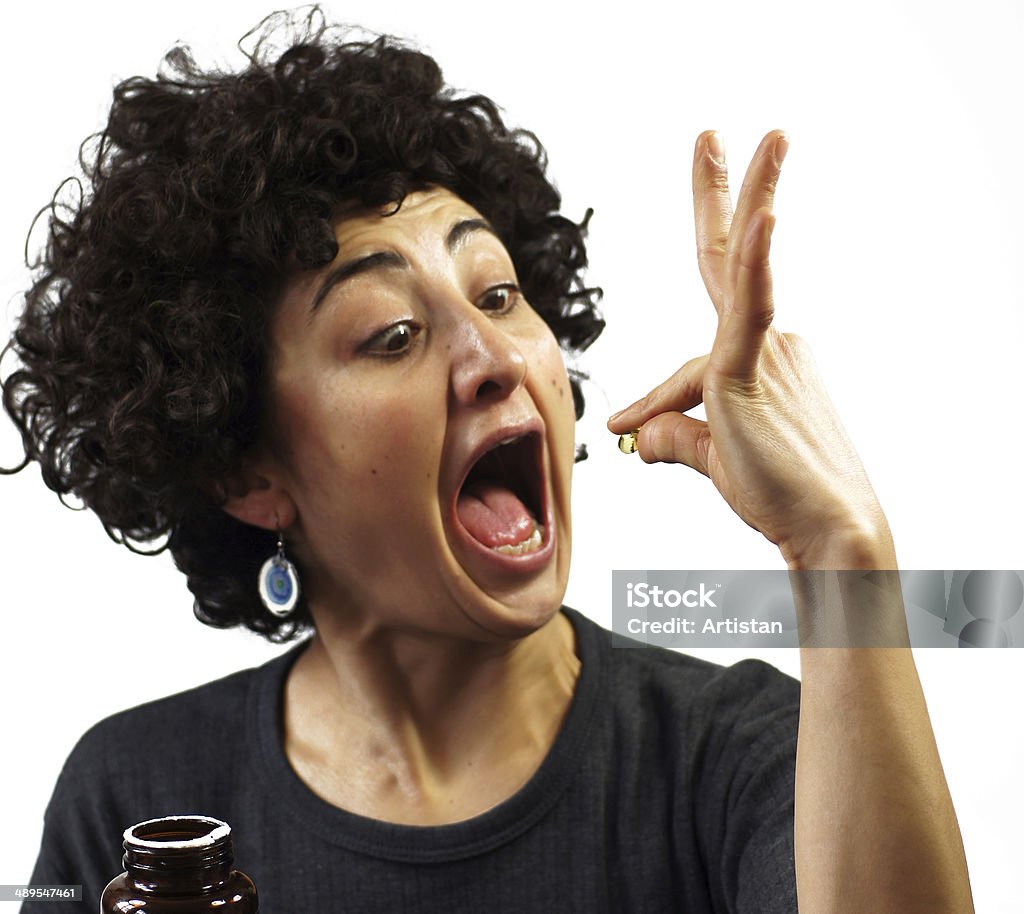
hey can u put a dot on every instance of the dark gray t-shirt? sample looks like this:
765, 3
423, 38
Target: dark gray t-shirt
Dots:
669, 788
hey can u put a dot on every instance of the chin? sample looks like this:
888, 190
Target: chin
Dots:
514, 622
518, 607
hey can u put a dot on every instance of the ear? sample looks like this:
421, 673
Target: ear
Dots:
255, 495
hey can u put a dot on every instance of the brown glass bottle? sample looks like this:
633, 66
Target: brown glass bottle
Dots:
179, 865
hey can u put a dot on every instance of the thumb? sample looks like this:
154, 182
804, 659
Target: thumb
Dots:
675, 438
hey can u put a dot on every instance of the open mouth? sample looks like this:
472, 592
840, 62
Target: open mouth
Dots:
501, 501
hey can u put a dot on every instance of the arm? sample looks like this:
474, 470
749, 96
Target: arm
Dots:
874, 824
875, 828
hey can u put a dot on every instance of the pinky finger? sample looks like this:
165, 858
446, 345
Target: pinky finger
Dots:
738, 345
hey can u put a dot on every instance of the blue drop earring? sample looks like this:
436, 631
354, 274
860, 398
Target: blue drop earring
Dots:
279, 582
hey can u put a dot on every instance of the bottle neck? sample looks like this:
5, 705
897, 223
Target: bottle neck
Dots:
178, 854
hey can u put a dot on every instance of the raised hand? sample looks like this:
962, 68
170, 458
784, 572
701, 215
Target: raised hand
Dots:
772, 444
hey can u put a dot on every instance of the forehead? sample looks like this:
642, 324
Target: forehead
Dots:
416, 232
422, 214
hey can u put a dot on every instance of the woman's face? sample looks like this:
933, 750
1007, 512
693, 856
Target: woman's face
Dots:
423, 428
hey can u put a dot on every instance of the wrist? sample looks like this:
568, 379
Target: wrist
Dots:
847, 546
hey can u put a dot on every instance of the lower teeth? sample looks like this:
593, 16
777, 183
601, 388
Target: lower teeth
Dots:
530, 544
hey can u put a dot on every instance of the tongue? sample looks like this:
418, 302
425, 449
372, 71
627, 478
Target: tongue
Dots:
494, 515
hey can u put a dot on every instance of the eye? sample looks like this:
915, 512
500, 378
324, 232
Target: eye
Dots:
500, 299
393, 340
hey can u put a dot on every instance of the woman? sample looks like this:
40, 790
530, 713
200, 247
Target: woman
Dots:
310, 314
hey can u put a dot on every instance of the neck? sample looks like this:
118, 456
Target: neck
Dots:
426, 730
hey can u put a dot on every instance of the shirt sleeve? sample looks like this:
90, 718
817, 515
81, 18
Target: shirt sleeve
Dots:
80, 829
746, 787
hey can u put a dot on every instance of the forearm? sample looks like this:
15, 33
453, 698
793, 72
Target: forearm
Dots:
875, 830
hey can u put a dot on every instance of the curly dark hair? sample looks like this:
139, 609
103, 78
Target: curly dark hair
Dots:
142, 345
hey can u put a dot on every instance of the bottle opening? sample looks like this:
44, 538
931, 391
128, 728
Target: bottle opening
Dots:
177, 833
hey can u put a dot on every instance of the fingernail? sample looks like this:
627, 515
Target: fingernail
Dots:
628, 442
781, 148
715, 148
615, 416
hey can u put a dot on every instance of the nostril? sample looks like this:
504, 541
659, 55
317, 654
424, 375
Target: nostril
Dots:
488, 388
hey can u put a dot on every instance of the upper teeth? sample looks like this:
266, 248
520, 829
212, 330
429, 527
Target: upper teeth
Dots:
509, 440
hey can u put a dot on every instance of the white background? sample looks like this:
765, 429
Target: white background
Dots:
897, 255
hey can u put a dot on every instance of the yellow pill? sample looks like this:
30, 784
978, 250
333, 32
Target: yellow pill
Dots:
628, 442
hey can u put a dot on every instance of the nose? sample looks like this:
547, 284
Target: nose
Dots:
487, 364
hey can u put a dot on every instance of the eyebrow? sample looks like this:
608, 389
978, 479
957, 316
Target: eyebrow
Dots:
391, 260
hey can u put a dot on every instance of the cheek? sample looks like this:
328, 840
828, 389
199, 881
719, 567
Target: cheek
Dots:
362, 439
403, 446
560, 386
551, 376
551, 389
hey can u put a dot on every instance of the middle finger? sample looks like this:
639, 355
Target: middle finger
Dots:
712, 213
